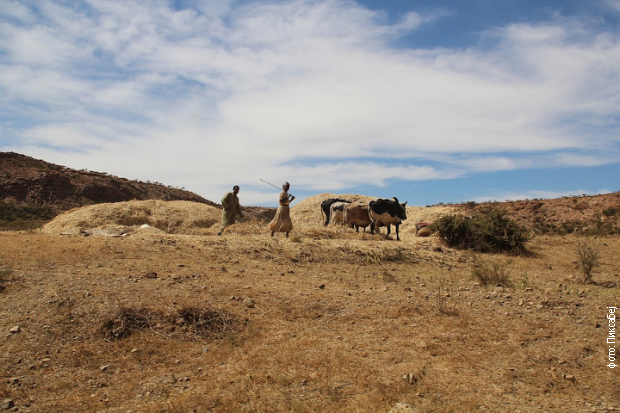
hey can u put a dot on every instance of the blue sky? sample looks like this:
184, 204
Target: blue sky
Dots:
431, 101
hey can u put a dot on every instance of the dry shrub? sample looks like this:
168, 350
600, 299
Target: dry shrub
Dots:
207, 322
5, 272
443, 308
129, 321
491, 273
588, 258
197, 322
489, 230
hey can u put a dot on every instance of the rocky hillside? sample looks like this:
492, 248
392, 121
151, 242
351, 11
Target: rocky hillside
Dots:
595, 214
33, 191
25, 181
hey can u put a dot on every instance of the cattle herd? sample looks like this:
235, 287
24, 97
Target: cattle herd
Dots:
376, 213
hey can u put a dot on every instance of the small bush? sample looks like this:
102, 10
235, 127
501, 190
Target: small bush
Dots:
388, 255
490, 230
4, 275
491, 273
588, 258
192, 322
13, 217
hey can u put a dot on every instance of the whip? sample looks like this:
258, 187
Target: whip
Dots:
269, 183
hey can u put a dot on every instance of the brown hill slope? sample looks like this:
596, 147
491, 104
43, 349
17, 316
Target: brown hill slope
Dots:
27, 181
596, 214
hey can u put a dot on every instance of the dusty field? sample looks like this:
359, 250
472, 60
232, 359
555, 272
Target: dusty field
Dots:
325, 321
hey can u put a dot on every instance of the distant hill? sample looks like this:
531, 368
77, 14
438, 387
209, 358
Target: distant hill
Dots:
586, 214
28, 181
34, 190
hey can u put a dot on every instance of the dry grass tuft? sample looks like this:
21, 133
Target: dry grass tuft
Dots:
489, 273
207, 322
189, 321
128, 321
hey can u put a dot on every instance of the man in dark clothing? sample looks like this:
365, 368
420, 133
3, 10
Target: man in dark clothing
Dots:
232, 208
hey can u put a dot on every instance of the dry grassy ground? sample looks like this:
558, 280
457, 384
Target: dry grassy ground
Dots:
325, 321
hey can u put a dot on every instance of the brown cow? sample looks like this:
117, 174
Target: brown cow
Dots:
356, 215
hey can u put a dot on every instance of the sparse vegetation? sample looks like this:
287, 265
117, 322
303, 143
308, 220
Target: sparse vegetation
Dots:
340, 322
610, 212
13, 217
387, 255
5, 273
588, 258
489, 230
443, 307
489, 273
191, 321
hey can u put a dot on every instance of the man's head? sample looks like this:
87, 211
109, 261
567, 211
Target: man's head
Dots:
286, 186
236, 189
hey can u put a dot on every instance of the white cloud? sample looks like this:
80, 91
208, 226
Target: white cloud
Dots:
615, 4
239, 90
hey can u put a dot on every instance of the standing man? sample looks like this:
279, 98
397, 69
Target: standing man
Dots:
230, 202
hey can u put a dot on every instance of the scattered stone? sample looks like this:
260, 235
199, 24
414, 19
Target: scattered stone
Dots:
15, 330
7, 404
151, 275
569, 377
105, 367
249, 303
436, 248
410, 378
402, 408
425, 232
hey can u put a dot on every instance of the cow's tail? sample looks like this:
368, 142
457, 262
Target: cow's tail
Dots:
371, 216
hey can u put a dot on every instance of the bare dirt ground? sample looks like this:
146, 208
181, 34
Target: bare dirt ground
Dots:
173, 318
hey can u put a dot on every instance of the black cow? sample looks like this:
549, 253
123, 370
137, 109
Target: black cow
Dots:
387, 212
326, 208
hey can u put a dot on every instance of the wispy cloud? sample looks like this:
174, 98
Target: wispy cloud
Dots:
239, 89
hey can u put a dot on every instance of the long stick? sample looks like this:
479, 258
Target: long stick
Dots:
269, 183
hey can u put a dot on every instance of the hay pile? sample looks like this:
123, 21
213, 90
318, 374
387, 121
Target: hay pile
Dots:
173, 217
193, 218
